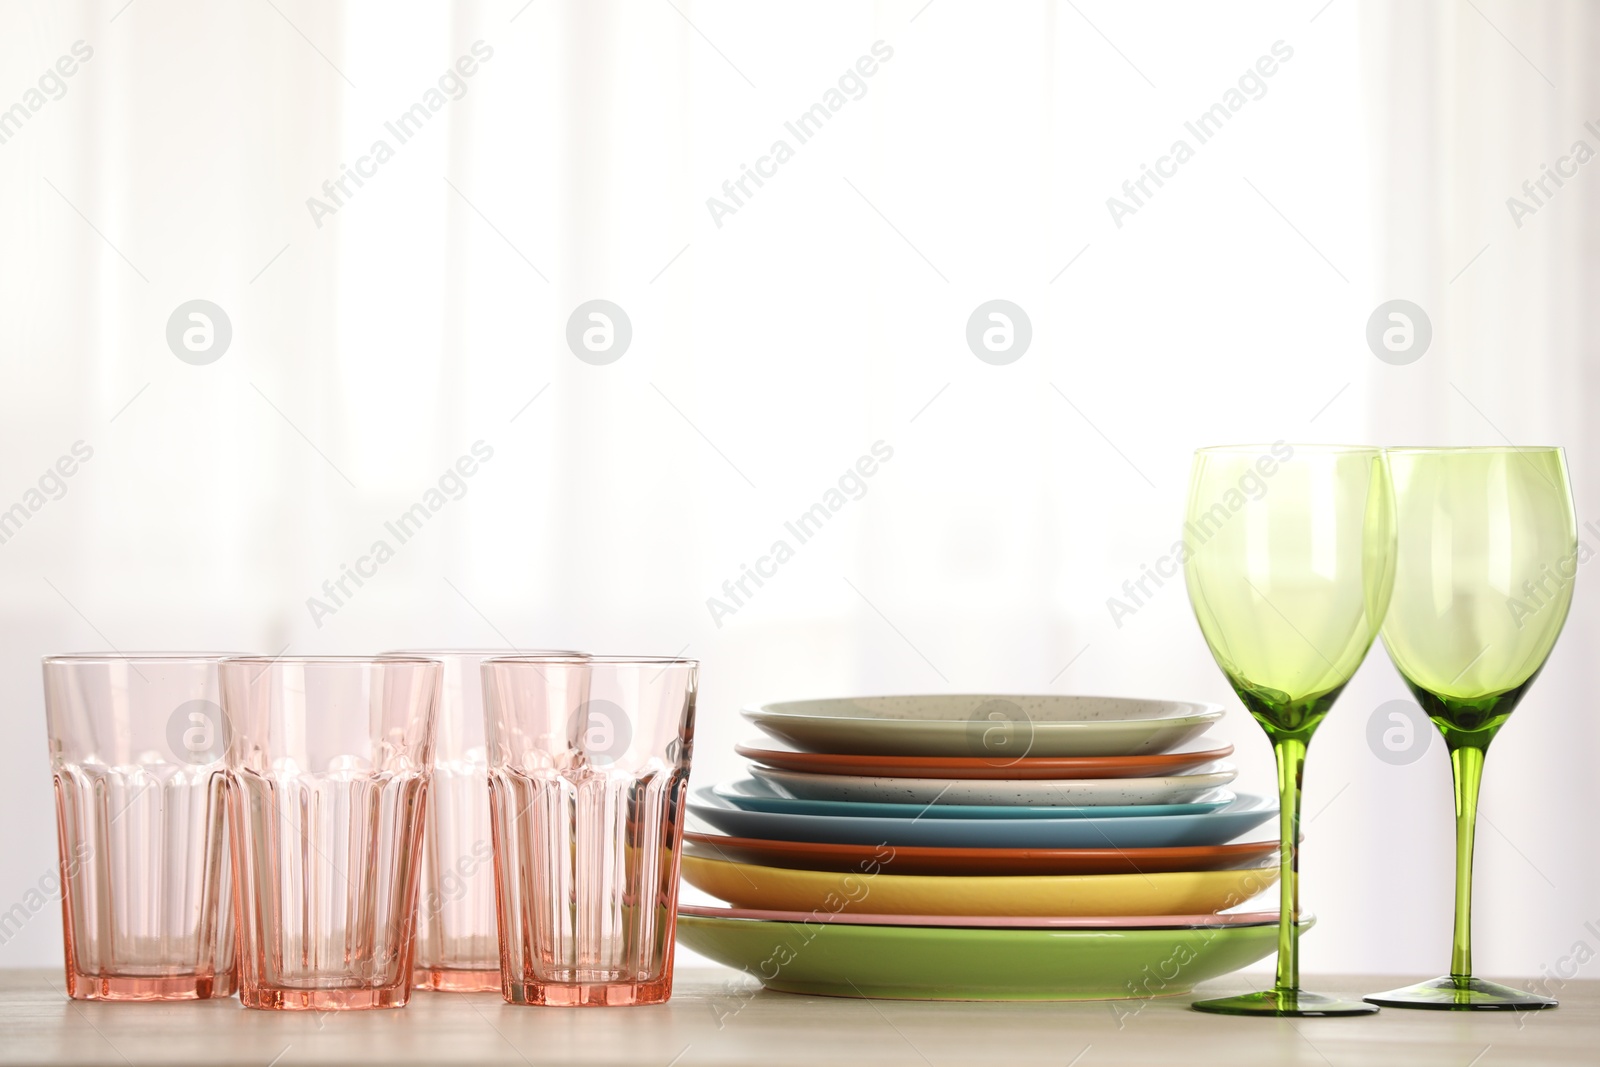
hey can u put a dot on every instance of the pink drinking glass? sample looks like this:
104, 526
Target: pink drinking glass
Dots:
458, 942
328, 767
588, 768
136, 751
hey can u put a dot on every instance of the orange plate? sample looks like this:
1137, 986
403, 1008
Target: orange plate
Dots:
908, 859
1156, 766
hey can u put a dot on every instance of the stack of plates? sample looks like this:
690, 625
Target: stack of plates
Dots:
979, 847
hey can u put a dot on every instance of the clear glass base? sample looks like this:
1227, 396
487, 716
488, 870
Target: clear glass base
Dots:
591, 994
1461, 994
456, 979
337, 999
1291, 1002
146, 987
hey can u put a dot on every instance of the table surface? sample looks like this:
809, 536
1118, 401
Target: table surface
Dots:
719, 1016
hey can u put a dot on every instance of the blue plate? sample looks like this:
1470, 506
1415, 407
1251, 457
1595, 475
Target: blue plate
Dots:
1139, 831
752, 794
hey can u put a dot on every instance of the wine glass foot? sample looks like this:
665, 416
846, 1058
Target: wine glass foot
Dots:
1461, 994
1283, 1002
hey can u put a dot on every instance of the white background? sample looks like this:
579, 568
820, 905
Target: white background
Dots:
768, 353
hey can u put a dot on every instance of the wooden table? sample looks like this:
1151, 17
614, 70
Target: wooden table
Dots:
721, 1017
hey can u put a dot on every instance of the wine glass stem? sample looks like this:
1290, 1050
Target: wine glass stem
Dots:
1291, 756
1466, 769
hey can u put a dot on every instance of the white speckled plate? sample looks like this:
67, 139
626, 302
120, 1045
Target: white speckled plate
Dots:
1082, 792
994, 727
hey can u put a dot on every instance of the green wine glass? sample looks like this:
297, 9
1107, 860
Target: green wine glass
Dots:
1487, 552
1289, 560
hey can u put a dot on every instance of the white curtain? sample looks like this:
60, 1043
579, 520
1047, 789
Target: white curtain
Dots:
1465, 104
378, 337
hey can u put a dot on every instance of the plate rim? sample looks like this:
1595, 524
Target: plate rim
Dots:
1008, 851
1087, 811
996, 879
752, 751
1244, 816
1173, 781
1209, 921
1200, 710
1254, 803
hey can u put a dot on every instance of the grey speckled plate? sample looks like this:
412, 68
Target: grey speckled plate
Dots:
997, 727
1080, 792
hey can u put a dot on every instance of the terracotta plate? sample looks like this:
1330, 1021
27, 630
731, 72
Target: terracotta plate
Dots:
922, 859
1152, 766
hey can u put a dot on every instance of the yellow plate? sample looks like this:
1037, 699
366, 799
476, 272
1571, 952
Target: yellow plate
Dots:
873, 891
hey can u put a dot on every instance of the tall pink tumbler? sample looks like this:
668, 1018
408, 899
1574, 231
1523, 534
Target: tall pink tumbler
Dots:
136, 746
328, 763
588, 768
458, 942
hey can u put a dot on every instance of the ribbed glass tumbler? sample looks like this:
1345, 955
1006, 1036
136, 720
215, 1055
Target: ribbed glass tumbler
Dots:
328, 765
588, 768
136, 753
458, 942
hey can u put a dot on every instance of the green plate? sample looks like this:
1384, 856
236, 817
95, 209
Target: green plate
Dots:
931, 963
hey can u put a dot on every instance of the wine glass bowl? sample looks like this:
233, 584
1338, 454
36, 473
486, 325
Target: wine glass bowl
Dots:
1484, 568
1480, 597
1289, 563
